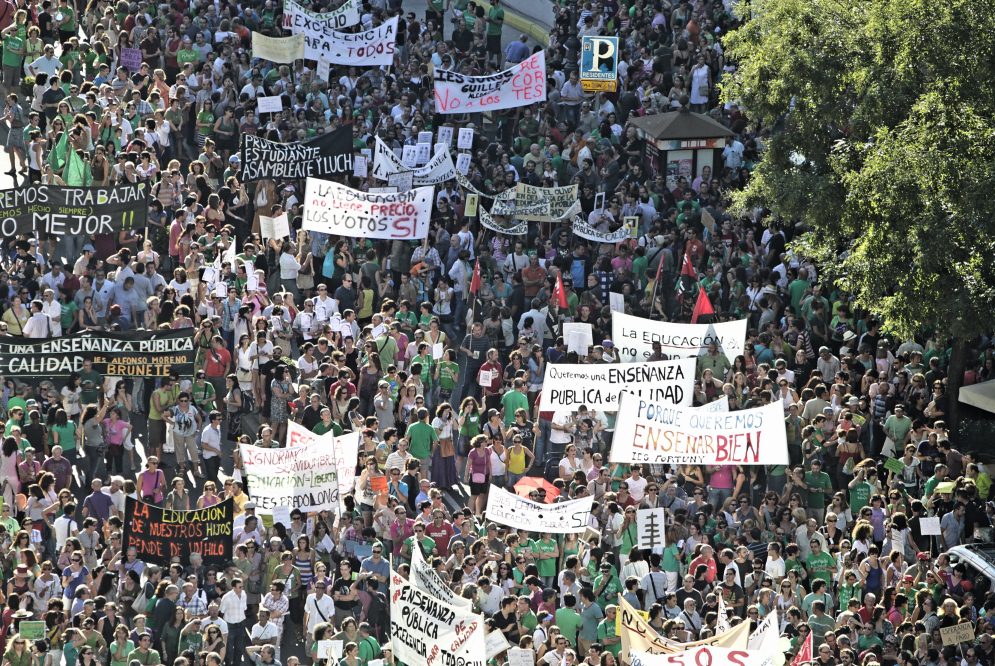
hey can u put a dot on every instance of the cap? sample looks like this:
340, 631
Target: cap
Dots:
607, 344
250, 505
824, 349
849, 336
89, 248
233, 159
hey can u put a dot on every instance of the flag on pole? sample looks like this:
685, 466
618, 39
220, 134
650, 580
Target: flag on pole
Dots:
702, 307
559, 295
475, 280
57, 158
687, 279
804, 652
722, 622
77, 172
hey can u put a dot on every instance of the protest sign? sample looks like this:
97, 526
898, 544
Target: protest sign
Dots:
323, 70
656, 433
584, 230
962, 632
437, 170
616, 301
929, 526
445, 134
465, 140
579, 337
373, 47
521, 657
330, 650
137, 353
710, 655
495, 643
303, 477
463, 163
423, 151
599, 386
162, 534
651, 528
424, 577
297, 16
426, 630
131, 59
638, 636
271, 104
324, 155
274, 227
283, 50
336, 209
345, 449
634, 337
529, 199
522, 513
766, 640
520, 85
42, 211
359, 167
519, 229
402, 181
472, 202
32, 630
506, 195
894, 465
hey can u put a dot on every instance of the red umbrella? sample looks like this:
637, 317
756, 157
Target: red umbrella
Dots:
530, 483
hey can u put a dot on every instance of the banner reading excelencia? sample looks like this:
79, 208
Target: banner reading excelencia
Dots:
132, 354
336, 209
658, 433
50, 210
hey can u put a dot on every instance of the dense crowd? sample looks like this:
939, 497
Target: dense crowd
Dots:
386, 338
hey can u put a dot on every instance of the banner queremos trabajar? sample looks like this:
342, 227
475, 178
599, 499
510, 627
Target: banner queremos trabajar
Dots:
132, 354
50, 210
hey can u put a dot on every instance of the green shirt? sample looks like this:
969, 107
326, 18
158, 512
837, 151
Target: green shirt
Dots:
494, 29
92, 395
860, 496
67, 436
183, 56
821, 566
421, 436
818, 485
512, 401
13, 50
569, 621
447, 375
333, 427
546, 567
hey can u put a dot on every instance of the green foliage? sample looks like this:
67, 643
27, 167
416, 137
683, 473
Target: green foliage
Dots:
881, 145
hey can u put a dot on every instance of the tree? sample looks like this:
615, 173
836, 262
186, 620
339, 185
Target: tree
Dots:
881, 140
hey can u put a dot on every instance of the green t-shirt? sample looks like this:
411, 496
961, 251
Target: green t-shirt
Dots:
421, 436
546, 567
821, 566
447, 375
183, 56
495, 14
67, 436
818, 485
92, 395
333, 427
860, 496
513, 401
70, 19
606, 630
12, 43
569, 621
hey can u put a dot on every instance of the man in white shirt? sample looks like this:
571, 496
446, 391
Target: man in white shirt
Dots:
39, 325
215, 619
51, 308
65, 526
210, 446
265, 632
318, 608
232, 607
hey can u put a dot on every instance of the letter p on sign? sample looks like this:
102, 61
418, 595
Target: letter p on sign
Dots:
602, 50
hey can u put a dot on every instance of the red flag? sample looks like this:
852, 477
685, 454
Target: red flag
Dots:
475, 280
687, 268
702, 307
559, 295
804, 652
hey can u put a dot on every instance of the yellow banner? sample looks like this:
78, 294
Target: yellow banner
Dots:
283, 50
638, 636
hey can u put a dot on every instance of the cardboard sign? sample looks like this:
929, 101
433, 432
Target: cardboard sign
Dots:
284, 50
651, 528
445, 134
303, 477
520, 85
930, 526
274, 227
162, 534
616, 302
32, 630
271, 104
962, 632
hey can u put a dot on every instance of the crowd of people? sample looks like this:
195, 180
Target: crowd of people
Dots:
387, 339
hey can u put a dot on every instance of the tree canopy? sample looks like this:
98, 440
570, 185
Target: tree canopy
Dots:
878, 118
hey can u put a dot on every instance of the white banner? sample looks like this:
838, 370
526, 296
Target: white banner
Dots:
657, 433
719, 405
283, 50
344, 448
488, 222
521, 85
634, 337
638, 636
301, 477
766, 640
464, 182
424, 577
521, 513
425, 630
539, 204
599, 386
272, 104
336, 209
651, 528
584, 230
299, 17
439, 168
372, 47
